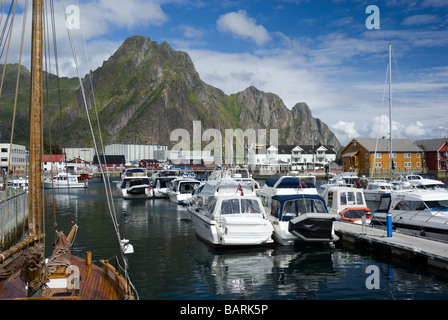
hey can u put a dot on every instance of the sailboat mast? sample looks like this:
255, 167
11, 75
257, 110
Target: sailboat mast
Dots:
390, 111
35, 171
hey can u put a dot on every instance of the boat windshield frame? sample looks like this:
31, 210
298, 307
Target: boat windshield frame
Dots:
300, 204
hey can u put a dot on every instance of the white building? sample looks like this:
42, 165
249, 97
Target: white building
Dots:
53, 163
85, 154
300, 157
13, 157
193, 157
135, 153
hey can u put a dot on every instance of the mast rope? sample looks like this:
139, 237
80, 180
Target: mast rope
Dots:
111, 207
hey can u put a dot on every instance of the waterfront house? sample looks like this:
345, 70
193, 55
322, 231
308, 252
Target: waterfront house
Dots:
371, 157
54, 162
435, 156
295, 157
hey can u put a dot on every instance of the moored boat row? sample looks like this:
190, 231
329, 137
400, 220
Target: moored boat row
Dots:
230, 209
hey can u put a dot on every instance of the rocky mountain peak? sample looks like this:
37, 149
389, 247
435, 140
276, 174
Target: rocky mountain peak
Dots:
145, 90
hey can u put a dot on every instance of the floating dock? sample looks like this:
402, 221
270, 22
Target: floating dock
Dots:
434, 252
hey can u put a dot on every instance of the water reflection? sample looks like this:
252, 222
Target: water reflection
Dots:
170, 262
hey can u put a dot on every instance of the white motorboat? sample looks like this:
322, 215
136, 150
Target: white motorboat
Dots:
415, 212
428, 184
160, 186
415, 181
345, 179
349, 203
289, 185
182, 190
297, 212
19, 183
376, 188
65, 180
231, 216
135, 184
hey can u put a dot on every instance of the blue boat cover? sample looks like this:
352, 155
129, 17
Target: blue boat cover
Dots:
290, 182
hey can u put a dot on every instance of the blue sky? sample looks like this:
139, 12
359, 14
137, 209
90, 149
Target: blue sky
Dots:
318, 52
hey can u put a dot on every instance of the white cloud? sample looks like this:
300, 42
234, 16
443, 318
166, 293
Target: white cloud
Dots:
344, 131
241, 25
421, 19
103, 16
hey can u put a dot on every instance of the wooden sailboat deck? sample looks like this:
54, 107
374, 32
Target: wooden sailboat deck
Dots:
95, 284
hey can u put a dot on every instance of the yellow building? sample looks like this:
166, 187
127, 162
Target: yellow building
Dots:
371, 157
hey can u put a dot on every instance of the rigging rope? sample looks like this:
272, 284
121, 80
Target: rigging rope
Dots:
112, 211
15, 102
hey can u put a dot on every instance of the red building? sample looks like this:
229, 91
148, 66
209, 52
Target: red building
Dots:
149, 164
436, 155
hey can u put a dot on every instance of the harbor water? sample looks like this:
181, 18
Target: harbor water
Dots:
170, 263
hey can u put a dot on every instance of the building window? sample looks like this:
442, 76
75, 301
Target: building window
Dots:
407, 155
407, 164
378, 155
378, 165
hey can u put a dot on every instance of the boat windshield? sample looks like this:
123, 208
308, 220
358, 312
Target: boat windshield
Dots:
294, 208
235, 206
441, 205
127, 183
351, 198
431, 186
436, 205
187, 187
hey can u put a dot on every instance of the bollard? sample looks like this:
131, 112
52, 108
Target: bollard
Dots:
389, 225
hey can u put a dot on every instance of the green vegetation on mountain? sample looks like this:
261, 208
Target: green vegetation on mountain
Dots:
143, 92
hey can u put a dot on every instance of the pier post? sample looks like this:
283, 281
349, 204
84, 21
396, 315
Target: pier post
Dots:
389, 225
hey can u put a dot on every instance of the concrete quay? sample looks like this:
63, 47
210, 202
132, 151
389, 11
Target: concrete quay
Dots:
434, 252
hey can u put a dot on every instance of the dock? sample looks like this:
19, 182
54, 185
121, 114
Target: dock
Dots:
433, 252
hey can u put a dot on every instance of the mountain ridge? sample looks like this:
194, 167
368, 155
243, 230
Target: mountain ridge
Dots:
145, 90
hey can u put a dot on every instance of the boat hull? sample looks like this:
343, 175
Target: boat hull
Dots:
311, 227
180, 198
64, 185
306, 228
232, 231
137, 192
422, 224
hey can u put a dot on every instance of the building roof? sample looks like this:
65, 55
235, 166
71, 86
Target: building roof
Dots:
109, 159
53, 158
287, 149
431, 144
382, 145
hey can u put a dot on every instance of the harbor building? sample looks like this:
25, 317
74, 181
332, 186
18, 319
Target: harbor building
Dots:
13, 157
435, 158
290, 157
85, 154
133, 153
372, 157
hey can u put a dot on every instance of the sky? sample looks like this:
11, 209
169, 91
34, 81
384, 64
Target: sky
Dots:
332, 55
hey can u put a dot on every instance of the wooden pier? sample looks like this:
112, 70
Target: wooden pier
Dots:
434, 252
